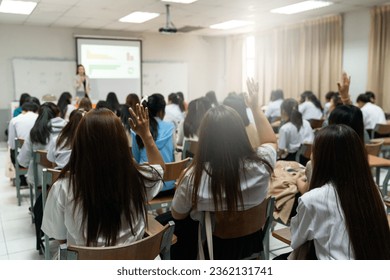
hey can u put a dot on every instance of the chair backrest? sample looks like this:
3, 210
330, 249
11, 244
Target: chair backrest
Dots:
314, 123
18, 170
240, 223
147, 248
374, 148
40, 158
189, 148
173, 170
381, 129
304, 150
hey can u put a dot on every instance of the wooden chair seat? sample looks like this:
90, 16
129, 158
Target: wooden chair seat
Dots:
147, 248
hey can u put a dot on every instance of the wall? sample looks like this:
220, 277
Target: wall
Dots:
355, 54
204, 56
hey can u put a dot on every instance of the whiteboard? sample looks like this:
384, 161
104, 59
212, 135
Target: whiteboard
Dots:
164, 78
39, 77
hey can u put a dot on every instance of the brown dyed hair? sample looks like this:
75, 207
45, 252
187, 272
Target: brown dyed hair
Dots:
103, 177
340, 159
223, 148
85, 103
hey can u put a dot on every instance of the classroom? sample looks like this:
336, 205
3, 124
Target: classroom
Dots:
335, 53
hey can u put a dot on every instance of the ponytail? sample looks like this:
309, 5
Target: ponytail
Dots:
40, 132
155, 104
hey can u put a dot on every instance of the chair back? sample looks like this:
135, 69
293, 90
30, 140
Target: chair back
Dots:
147, 248
189, 148
49, 176
240, 223
18, 169
173, 170
304, 150
374, 148
381, 129
314, 123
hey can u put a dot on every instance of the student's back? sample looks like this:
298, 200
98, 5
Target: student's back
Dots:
162, 132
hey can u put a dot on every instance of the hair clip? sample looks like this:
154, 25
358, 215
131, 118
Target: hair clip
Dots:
144, 99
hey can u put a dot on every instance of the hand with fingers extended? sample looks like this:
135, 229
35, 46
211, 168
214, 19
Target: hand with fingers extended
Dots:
344, 88
139, 121
252, 98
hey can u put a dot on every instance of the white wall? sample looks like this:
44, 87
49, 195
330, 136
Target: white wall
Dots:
355, 54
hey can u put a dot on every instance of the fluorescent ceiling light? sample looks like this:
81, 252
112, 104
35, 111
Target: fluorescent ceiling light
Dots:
180, 1
301, 7
17, 7
230, 24
138, 17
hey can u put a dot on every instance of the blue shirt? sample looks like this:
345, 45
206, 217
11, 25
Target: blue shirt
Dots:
164, 143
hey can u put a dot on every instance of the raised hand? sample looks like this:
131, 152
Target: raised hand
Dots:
344, 86
252, 98
139, 121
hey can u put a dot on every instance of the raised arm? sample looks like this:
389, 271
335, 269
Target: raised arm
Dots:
264, 129
139, 123
344, 89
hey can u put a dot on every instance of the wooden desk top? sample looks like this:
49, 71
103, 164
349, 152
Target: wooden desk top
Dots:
283, 235
374, 161
154, 226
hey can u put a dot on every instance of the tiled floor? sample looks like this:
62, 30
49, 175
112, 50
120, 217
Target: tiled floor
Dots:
17, 232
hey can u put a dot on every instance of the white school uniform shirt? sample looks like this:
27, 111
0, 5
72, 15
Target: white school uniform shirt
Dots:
291, 139
320, 218
173, 114
25, 157
273, 109
60, 223
20, 126
254, 188
59, 156
309, 111
372, 114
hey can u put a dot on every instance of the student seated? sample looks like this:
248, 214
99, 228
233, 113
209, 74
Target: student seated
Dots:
47, 125
100, 198
273, 109
342, 213
60, 147
163, 134
372, 114
294, 132
226, 174
310, 107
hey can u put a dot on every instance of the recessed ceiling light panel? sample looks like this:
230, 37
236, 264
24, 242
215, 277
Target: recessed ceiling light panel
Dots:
17, 7
230, 24
301, 7
139, 17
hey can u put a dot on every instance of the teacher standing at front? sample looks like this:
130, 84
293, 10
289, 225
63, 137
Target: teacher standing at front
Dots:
82, 82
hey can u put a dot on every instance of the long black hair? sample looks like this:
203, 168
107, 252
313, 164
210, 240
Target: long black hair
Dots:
40, 132
156, 104
290, 107
63, 102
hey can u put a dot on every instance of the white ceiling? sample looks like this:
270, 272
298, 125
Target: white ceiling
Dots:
104, 14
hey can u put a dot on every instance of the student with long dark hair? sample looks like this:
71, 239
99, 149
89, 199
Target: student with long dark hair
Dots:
100, 198
113, 102
60, 147
174, 110
131, 100
163, 134
310, 107
294, 132
189, 128
47, 125
343, 212
65, 105
227, 174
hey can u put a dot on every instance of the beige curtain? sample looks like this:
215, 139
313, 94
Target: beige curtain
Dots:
234, 64
379, 56
304, 56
